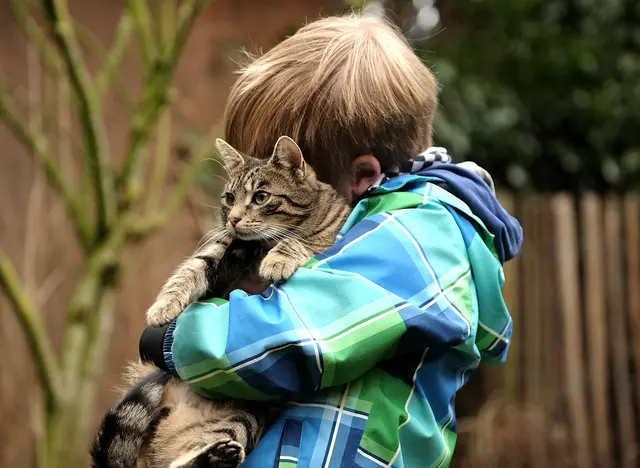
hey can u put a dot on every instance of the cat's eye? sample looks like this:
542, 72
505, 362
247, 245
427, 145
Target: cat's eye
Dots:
228, 199
261, 197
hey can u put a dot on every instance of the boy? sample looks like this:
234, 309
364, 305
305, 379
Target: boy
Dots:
371, 340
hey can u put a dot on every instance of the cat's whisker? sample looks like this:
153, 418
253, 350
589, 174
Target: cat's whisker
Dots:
213, 236
284, 233
274, 233
225, 180
267, 237
266, 233
213, 207
271, 235
215, 160
292, 229
215, 231
215, 239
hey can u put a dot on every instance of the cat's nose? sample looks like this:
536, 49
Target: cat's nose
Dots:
233, 220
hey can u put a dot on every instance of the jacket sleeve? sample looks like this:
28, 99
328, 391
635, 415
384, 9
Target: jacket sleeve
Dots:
394, 284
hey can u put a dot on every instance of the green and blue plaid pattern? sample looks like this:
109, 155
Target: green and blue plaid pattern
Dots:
368, 343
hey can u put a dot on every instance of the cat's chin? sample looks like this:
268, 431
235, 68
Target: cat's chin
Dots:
249, 236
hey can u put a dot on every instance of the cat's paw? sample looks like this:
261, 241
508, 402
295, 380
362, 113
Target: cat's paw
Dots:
226, 453
276, 267
162, 312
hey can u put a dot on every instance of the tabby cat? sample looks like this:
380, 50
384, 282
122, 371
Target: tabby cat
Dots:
280, 215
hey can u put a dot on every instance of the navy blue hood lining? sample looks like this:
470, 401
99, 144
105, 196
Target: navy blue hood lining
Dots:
472, 190
469, 187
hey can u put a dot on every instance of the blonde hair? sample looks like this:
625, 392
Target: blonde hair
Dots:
340, 87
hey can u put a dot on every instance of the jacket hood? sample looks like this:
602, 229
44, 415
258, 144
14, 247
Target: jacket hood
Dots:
470, 188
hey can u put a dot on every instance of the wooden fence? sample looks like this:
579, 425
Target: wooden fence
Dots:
569, 394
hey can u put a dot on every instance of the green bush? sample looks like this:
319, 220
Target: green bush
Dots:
544, 93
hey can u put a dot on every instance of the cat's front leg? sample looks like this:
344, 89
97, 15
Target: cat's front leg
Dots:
283, 260
189, 283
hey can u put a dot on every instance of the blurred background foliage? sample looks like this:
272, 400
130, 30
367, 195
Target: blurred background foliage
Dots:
544, 93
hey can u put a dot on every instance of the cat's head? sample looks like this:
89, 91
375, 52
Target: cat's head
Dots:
265, 198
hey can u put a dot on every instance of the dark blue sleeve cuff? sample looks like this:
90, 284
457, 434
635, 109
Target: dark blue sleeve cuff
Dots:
167, 343
155, 346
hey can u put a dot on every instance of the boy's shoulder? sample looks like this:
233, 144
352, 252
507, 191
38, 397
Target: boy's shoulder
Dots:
410, 191
435, 198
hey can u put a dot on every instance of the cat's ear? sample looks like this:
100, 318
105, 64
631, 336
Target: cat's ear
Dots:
288, 154
230, 156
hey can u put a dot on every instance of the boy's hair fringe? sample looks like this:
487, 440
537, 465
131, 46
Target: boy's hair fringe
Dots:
341, 87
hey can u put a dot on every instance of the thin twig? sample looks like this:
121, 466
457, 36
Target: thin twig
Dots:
37, 37
65, 125
107, 57
160, 162
34, 203
167, 21
51, 283
85, 302
142, 226
142, 19
31, 241
36, 144
154, 99
29, 318
99, 52
57, 14
114, 57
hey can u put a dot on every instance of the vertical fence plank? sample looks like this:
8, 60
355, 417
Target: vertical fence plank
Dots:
618, 334
559, 351
568, 276
632, 255
510, 291
552, 342
533, 380
596, 321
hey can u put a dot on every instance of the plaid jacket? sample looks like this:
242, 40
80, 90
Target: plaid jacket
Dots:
368, 343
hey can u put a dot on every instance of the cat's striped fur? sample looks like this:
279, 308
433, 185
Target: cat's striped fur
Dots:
160, 422
286, 216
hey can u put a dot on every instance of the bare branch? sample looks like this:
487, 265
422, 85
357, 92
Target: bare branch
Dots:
57, 14
29, 318
114, 57
142, 226
108, 58
154, 98
160, 162
186, 16
32, 231
142, 18
167, 21
36, 144
37, 37
93, 282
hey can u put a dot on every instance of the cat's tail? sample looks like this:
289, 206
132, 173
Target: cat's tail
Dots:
129, 423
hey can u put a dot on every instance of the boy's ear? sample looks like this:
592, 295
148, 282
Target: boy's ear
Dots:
231, 157
365, 171
288, 154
